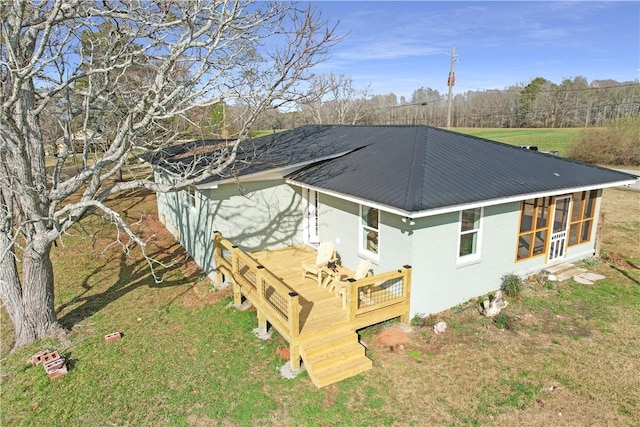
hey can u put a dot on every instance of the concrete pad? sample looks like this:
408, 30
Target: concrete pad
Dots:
288, 372
261, 336
554, 269
592, 276
582, 280
570, 273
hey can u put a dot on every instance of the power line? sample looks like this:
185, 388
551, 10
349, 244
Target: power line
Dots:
586, 89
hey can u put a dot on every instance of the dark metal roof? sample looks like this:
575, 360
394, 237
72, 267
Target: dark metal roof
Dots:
299, 146
418, 168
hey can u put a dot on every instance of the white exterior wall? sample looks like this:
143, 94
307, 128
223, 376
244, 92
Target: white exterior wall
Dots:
340, 223
262, 215
439, 279
256, 216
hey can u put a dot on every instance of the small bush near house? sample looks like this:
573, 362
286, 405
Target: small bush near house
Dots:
512, 285
542, 279
422, 321
504, 321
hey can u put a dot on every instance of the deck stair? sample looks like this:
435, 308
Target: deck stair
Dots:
334, 358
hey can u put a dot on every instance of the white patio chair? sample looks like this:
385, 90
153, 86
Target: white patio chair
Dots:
326, 254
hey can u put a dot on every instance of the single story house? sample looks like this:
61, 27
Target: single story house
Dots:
462, 211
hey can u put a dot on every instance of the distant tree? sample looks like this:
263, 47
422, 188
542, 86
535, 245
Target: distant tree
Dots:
334, 99
527, 104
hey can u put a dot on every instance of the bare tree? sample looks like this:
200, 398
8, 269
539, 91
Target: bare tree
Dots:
130, 70
335, 100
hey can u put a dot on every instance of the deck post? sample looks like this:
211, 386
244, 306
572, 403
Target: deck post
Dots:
237, 295
262, 319
234, 259
352, 298
217, 255
406, 270
293, 312
263, 326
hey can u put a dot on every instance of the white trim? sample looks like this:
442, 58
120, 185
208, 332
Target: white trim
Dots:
310, 217
562, 236
455, 208
361, 243
476, 256
192, 198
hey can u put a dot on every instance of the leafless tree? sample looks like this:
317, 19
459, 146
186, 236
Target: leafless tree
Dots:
125, 71
334, 99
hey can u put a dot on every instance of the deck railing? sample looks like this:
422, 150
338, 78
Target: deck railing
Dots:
386, 291
271, 296
369, 300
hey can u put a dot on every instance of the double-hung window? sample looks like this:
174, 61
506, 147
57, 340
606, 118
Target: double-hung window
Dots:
369, 230
470, 234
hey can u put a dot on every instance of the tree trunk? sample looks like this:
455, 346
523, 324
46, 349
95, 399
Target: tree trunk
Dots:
30, 304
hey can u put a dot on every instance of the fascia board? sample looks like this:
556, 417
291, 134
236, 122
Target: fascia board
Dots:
456, 208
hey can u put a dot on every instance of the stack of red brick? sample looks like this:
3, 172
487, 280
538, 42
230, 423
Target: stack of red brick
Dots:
54, 363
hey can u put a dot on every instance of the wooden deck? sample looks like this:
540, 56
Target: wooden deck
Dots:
319, 307
319, 326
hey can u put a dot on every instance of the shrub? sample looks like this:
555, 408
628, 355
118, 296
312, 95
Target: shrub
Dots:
617, 144
422, 321
512, 285
417, 321
504, 321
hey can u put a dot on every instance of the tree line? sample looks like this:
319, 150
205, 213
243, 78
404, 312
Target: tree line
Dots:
574, 102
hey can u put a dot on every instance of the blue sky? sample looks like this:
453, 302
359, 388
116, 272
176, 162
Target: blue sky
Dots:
399, 46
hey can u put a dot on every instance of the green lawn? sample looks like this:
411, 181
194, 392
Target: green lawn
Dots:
546, 139
187, 358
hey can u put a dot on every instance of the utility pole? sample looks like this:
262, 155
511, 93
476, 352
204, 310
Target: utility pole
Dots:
451, 80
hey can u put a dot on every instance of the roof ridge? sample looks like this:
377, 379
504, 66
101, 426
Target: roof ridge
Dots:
413, 195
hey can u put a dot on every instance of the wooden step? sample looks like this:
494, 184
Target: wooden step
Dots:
339, 355
340, 371
334, 357
324, 346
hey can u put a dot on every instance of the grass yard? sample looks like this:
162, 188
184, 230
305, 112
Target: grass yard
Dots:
570, 357
557, 139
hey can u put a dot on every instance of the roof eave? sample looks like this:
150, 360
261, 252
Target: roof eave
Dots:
459, 207
271, 173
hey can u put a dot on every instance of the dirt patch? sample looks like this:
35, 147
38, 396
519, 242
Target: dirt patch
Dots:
393, 339
285, 353
203, 293
330, 395
616, 259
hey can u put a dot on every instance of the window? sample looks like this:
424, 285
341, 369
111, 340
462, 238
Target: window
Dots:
190, 193
534, 228
370, 218
582, 213
469, 233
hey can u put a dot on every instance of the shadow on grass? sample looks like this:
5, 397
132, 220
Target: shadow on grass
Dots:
130, 278
625, 274
132, 273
